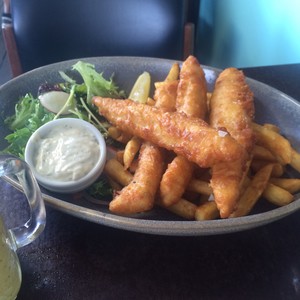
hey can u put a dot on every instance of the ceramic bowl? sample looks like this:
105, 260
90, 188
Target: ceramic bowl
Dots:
271, 106
62, 184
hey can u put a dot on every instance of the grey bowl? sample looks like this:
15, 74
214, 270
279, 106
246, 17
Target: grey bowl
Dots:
271, 106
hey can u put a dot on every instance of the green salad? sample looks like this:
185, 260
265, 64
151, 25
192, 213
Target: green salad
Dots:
30, 113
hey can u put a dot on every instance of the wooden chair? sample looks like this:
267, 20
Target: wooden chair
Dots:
40, 32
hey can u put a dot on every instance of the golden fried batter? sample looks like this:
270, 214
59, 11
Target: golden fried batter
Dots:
191, 98
139, 194
165, 95
175, 180
231, 108
190, 137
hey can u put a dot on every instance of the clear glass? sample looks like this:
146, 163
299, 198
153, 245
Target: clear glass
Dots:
14, 238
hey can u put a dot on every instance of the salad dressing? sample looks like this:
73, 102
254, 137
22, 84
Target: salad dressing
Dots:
67, 153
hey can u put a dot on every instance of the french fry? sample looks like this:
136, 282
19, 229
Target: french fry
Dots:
200, 187
191, 196
279, 146
278, 169
118, 135
172, 76
173, 73
124, 138
150, 101
203, 199
115, 185
245, 183
292, 185
208, 96
253, 192
277, 195
119, 155
133, 166
115, 170
295, 163
184, 209
114, 132
131, 150
272, 127
261, 153
207, 211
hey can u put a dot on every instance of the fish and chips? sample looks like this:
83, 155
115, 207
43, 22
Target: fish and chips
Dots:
190, 137
139, 194
198, 154
231, 107
191, 99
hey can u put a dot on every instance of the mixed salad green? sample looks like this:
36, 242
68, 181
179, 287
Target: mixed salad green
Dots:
30, 114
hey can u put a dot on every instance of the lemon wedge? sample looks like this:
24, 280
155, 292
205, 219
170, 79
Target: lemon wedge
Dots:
141, 88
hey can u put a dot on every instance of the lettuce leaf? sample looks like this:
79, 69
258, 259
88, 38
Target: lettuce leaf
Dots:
96, 84
29, 116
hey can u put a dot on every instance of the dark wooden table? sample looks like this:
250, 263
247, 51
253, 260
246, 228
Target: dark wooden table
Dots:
76, 259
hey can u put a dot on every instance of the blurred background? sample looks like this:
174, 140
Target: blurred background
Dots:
4, 67
244, 33
248, 33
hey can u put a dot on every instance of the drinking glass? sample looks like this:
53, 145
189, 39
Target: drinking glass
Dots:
14, 238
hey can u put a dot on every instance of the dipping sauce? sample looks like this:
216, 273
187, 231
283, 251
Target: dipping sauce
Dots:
66, 153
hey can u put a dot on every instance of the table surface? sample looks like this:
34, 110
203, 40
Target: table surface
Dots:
76, 259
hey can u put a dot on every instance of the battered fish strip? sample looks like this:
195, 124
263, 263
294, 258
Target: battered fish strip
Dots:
190, 137
165, 95
191, 92
231, 107
138, 195
191, 100
175, 180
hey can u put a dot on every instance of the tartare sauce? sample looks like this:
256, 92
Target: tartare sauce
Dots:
67, 153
